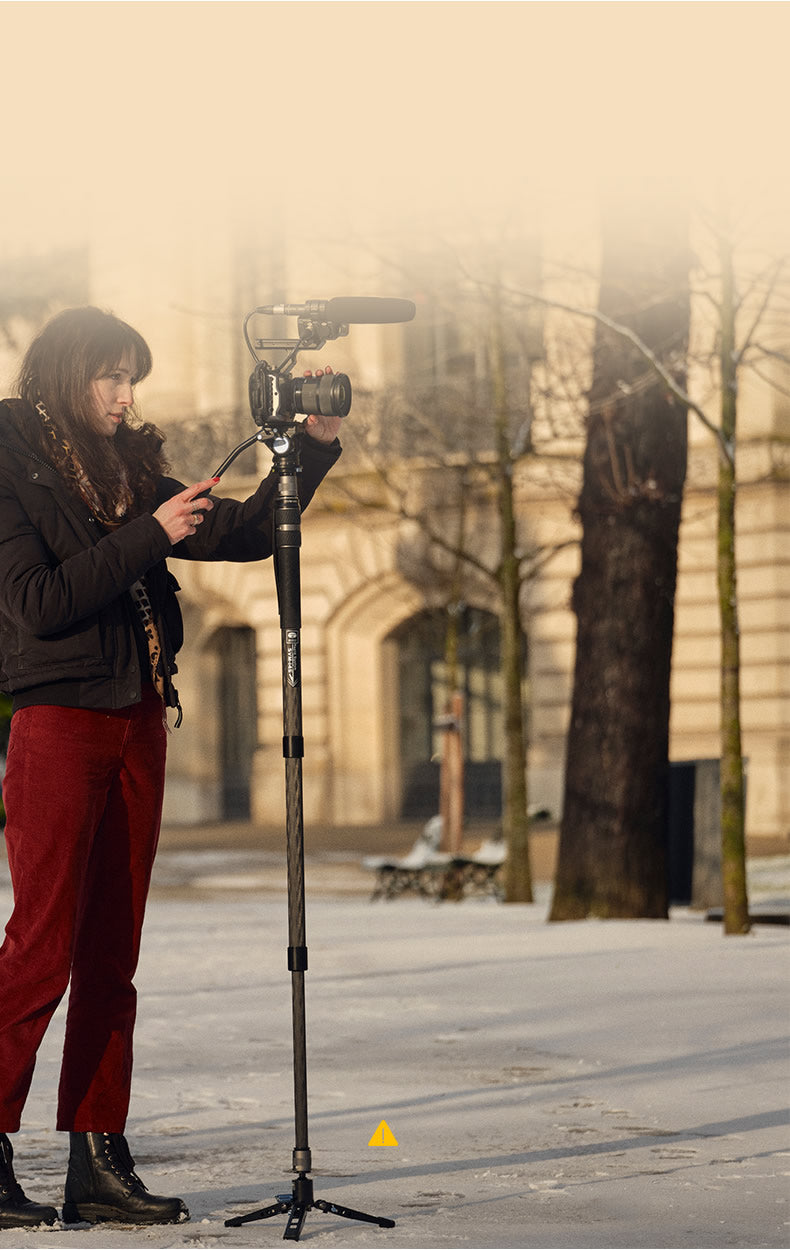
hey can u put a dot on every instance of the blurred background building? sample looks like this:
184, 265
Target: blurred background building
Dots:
380, 577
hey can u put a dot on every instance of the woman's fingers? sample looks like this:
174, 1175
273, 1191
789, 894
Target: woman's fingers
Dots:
181, 515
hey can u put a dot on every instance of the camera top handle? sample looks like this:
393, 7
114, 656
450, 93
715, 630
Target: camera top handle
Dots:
313, 335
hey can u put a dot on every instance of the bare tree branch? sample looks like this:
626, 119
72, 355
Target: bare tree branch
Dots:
772, 382
419, 517
542, 558
623, 331
784, 357
760, 311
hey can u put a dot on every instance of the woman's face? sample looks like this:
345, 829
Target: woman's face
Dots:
112, 395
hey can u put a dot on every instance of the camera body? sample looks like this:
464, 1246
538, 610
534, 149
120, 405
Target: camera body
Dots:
277, 398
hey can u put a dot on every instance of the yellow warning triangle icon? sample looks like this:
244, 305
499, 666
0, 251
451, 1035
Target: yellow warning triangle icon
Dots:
383, 1136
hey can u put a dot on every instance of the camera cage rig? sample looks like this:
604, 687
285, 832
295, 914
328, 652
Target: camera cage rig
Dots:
267, 381
314, 332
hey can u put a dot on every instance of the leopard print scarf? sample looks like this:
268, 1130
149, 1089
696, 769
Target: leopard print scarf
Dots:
69, 463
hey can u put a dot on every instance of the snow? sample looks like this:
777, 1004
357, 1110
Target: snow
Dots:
617, 1084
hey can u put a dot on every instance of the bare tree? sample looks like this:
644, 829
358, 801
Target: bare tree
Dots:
446, 452
518, 876
741, 309
612, 858
749, 323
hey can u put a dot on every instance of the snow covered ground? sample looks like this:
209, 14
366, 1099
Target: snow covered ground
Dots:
619, 1084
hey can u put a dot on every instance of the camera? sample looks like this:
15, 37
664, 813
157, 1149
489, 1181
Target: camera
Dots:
277, 397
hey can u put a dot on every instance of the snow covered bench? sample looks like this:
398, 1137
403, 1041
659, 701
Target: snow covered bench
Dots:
432, 873
413, 873
480, 873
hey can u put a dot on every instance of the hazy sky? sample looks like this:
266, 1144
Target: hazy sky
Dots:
137, 111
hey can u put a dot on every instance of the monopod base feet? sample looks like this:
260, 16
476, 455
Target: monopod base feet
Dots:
296, 1206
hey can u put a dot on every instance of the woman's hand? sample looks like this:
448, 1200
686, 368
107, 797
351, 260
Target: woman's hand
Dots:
181, 515
322, 429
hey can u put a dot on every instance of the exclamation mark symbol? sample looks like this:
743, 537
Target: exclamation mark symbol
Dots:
383, 1136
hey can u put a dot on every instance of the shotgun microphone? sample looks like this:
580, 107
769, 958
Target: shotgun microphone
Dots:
348, 310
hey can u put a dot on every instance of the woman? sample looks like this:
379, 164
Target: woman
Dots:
89, 629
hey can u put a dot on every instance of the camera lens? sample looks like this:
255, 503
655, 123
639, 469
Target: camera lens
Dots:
328, 396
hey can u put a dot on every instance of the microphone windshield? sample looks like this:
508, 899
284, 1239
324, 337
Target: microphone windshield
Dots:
368, 310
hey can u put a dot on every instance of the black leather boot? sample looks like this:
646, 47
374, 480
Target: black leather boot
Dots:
102, 1186
16, 1211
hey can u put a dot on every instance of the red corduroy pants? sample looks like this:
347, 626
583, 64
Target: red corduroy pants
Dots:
83, 795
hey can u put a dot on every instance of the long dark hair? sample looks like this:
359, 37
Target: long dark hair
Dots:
68, 354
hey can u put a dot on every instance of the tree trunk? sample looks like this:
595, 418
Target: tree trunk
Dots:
517, 873
451, 769
733, 840
613, 836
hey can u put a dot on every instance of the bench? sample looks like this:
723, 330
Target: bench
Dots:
440, 875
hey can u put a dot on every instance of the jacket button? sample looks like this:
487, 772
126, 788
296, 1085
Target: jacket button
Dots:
34, 476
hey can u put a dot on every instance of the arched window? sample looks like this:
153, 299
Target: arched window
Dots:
235, 650
425, 689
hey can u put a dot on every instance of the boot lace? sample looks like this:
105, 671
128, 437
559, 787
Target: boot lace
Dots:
120, 1161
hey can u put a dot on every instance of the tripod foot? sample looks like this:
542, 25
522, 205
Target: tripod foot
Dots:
276, 1208
334, 1208
297, 1206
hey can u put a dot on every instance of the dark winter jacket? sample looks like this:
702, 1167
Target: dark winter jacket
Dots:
66, 619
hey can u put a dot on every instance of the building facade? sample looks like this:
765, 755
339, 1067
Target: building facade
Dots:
374, 668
